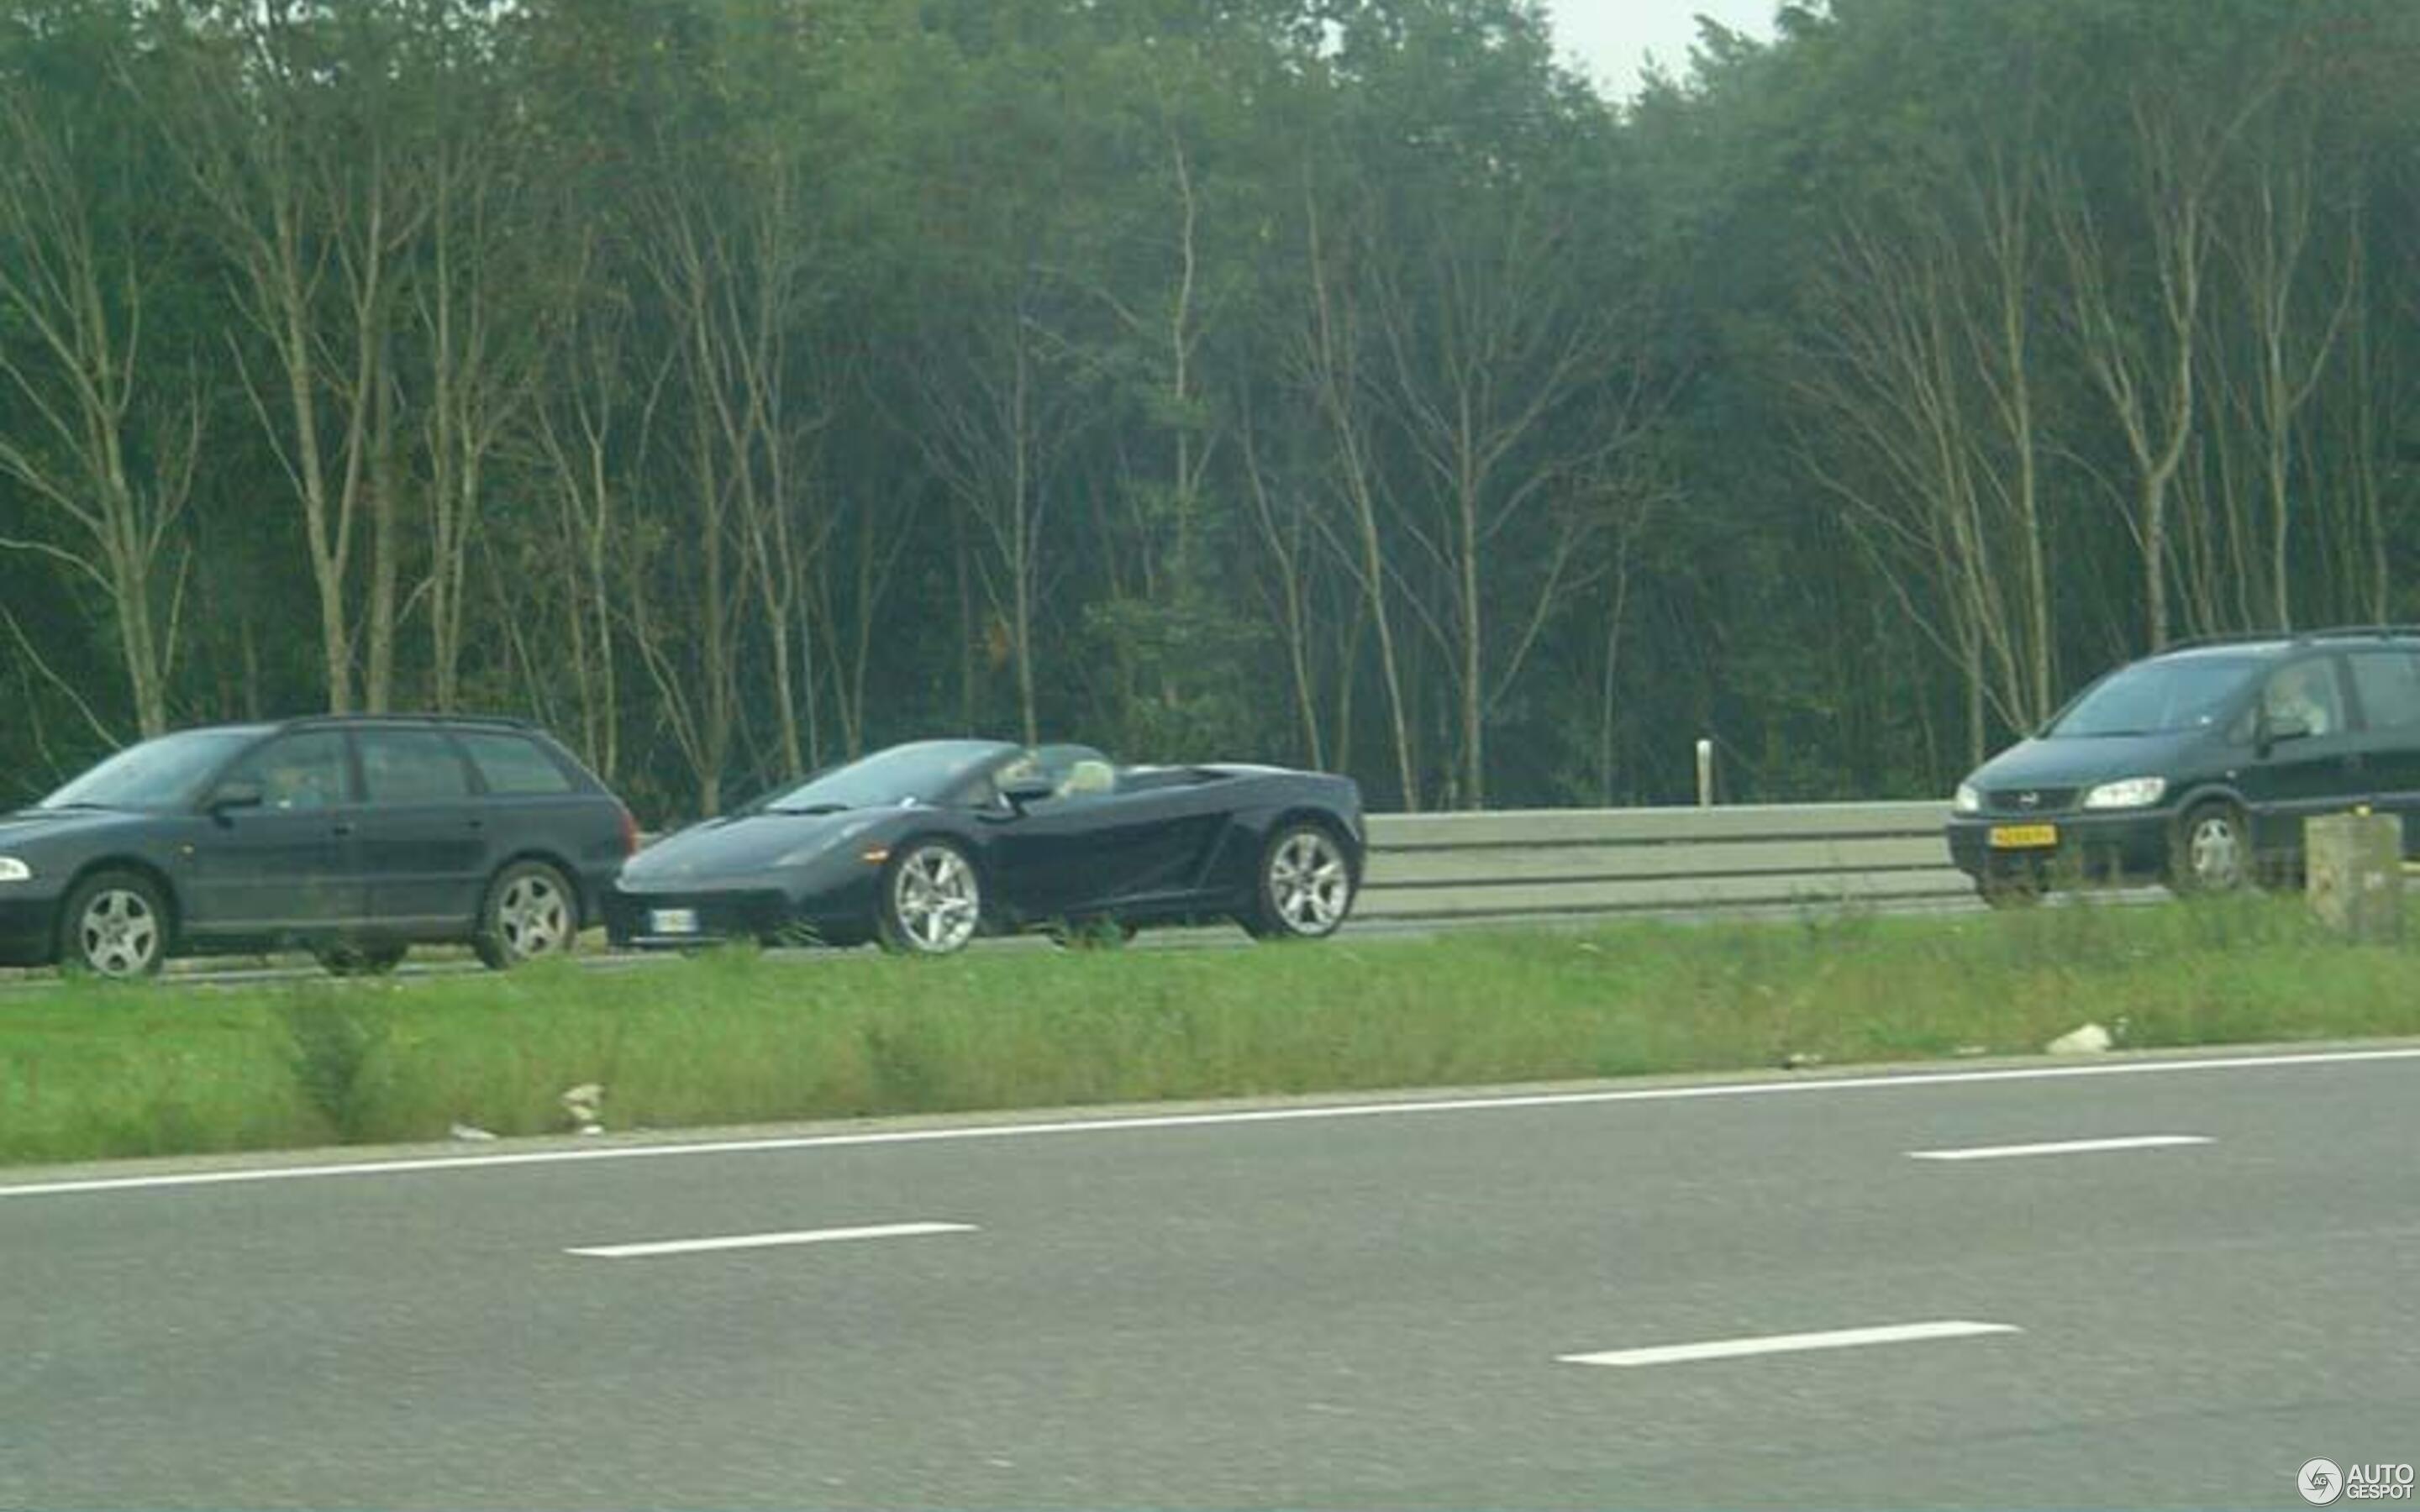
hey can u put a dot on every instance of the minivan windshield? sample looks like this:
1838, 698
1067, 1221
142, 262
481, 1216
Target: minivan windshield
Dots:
2155, 697
927, 771
167, 773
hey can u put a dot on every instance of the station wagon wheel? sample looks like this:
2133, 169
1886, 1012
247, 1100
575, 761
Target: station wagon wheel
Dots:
530, 913
1306, 885
932, 900
2214, 850
115, 925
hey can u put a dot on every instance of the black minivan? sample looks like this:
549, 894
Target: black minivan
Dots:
354, 837
2197, 766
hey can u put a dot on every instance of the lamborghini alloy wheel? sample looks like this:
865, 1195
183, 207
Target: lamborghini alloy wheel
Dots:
932, 900
1306, 884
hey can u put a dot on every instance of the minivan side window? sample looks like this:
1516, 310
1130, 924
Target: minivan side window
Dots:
411, 766
2306, 691
306, 770
514, 765
2388, 684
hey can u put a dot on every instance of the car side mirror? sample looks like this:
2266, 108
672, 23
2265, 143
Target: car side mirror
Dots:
1025, 790
237, 794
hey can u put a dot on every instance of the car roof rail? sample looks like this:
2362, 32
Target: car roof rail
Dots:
2223, 638
2354, 632
505, 721
2330, 632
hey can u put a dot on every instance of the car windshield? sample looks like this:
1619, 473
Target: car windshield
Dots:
167, 773
929, 771
2154, 697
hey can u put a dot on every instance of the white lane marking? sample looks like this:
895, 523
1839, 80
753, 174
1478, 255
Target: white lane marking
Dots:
1838, 1338
799, 1236
2064, 1146
1883, 1081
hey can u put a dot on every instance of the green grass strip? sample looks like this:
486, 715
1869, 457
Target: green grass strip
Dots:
89, 1072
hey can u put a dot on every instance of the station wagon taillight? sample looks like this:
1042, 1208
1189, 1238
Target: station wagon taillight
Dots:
629, 833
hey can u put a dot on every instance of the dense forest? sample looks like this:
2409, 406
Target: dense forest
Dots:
734, 385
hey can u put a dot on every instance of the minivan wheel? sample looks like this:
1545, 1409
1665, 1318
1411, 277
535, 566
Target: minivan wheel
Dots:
114, 925
2214, 850
529, 913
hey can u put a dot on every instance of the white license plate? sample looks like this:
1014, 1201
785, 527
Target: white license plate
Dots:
672, 921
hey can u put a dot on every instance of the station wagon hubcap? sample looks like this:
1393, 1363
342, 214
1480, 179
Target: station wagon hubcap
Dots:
1308, 883
2216, 852
119, 933
532, 917
937, 900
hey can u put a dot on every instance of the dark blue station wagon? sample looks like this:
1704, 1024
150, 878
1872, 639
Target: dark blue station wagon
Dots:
354, 837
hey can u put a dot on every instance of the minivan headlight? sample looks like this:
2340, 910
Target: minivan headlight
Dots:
1967, 800
13, 870
2127, 792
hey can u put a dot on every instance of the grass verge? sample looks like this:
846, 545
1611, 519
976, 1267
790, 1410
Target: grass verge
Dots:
89, 1072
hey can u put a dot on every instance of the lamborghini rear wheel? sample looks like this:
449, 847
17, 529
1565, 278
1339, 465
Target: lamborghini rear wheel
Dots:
1306, 885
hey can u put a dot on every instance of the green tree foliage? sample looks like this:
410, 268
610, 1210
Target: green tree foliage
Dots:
735, 385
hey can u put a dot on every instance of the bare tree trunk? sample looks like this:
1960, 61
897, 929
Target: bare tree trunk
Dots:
990, 429
386, 484
1491, 342
2143, 361
1330, 361
304, 206
1281, 531
76, 289
2293, 349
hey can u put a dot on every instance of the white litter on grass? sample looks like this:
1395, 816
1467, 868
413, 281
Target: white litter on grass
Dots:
584, 1103
2091, 1040
470, 1133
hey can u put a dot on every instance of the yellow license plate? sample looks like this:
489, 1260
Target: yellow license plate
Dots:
2024, 836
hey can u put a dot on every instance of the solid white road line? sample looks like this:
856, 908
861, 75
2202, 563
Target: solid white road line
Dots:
802, 1236
1887, 1081
2064, 1146
1838, 1338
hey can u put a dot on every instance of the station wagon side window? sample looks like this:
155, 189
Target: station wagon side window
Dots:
514, 765
305, 770
411, 766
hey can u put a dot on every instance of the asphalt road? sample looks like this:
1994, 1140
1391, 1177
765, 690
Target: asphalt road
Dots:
1297, 1307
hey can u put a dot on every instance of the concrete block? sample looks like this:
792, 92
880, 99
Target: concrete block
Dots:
2355, 868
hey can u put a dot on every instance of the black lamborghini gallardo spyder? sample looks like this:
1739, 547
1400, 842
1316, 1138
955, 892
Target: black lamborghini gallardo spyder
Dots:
922, 847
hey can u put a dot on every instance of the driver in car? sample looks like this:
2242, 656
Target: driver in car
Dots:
2299, 694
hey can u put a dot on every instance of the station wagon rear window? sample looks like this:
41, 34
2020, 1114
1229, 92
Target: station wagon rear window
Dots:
513, 765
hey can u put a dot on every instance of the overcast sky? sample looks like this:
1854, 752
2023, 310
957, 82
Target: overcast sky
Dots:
1612, 37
